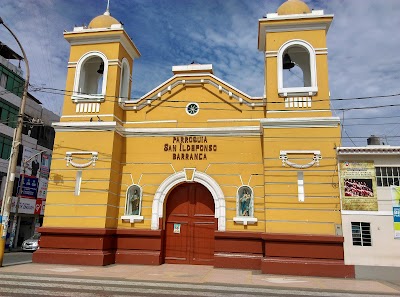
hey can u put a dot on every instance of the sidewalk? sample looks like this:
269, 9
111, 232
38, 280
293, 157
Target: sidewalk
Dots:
206, 275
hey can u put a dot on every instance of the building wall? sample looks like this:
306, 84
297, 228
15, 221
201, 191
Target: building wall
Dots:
385, 249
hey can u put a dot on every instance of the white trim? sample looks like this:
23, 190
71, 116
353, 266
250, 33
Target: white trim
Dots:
76, 96
192, 67
92, 160
283, 155
269, 24
245, 220
328, 122
178, 178
152, 122
301, 111
132, 218
219, 131
116, 37
301, 91
300, 186
369, 150
78, 182
124, 80
233, 120
166, 87
84, 126
113, 126
368, 213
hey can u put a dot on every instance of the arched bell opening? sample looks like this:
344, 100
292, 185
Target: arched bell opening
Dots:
296, 67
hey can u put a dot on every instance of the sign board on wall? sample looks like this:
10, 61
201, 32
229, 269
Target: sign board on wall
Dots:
358, 186
396, 211
29, 206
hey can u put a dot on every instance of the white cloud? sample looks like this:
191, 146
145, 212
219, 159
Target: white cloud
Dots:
362, 43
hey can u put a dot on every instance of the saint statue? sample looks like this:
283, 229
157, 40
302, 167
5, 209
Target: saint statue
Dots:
134, 200
244, 204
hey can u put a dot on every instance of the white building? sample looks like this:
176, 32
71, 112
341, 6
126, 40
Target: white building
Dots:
38, 136
368, 222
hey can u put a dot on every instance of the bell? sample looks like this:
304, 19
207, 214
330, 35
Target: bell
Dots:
287, 62
101, 68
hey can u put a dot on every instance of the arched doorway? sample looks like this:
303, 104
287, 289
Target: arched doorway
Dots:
189, 225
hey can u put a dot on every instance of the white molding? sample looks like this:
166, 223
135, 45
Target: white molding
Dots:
368, 213
123, 38
192, 67
167, 86
245, 220
84, 126
152, 122
132, 218
76, 96
232, 120
92, 161
269, 24
297, 92
323, 122
219, 131
178, 178
369, 150
139, 132
300, 111
292, 92
283, 155
125, 79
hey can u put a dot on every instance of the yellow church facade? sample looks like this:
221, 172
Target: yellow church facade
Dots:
197, 171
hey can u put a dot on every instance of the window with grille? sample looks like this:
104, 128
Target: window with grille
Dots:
361, 232
387, 176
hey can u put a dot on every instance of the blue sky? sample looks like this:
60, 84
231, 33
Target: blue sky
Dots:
362, 43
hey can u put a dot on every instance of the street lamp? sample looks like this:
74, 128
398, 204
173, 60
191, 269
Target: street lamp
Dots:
20, 192
5, 211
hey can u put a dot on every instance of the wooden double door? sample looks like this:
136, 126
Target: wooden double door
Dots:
190, 225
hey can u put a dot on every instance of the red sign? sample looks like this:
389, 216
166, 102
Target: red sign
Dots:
38, 206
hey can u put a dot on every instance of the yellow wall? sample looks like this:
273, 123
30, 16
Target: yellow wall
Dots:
140, 158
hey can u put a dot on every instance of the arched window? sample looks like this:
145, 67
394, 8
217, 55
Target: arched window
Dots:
245, 204
297, 69
124, 81
91, 77
133, 202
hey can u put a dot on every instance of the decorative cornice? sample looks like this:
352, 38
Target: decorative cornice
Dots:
140, 132
297, 23
84, 126
114, 35
168, 86
369, 150
220, 131
324, 122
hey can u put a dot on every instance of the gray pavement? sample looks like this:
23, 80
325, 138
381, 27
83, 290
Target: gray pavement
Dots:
175, 280
391, 274
17, 257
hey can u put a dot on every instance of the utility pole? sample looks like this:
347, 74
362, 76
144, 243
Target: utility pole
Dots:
7, 199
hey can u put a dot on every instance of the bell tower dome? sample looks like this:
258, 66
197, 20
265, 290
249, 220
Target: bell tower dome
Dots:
99, 68
296, 65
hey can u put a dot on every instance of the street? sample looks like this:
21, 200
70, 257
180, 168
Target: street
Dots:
34, 285
15, 258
